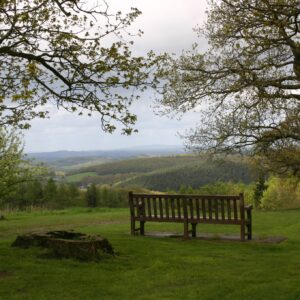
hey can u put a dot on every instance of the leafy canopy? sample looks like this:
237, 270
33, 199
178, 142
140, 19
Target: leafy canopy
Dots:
73, 53
246, 84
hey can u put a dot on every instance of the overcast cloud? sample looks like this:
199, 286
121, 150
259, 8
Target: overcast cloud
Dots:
167, 26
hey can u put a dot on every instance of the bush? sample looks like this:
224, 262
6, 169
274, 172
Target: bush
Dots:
282, 193
222, 188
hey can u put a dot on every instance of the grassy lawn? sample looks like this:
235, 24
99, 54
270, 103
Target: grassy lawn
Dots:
153, 268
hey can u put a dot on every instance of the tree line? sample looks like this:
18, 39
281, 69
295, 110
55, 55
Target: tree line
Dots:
50, 194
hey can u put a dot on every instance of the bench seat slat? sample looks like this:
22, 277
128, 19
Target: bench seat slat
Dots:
181, 220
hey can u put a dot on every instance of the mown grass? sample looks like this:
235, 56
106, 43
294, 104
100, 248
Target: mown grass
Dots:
153, 268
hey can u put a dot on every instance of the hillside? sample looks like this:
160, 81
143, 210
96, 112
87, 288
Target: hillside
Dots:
68, 160
194, 175
163, 173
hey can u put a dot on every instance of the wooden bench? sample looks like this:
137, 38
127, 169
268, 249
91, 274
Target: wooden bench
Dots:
190, 209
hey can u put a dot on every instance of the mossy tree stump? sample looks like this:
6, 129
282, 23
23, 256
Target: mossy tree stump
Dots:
67, 244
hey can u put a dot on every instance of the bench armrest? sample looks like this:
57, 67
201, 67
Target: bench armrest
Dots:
248, 207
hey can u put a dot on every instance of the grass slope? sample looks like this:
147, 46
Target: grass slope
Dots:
138, 165
153, 268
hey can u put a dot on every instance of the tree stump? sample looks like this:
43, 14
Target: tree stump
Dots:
68, 244
2, 218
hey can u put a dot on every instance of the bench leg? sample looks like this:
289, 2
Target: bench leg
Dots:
186, 230
142, 227
243, 232
194, 225
249, 231
132, 226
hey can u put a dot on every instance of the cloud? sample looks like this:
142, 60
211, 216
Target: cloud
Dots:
168, 27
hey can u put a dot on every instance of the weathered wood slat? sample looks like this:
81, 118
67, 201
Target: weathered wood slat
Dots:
167, 207
178, 220
222, 210
149, 207
197, 208
161, 213
174, 196
178, 208
191, 209
209, 209
217, 209
228, 209
172, 208
203, 208
154, 206
142, 207
235, 211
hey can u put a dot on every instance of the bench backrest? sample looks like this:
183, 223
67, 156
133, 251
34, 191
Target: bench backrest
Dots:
197, 208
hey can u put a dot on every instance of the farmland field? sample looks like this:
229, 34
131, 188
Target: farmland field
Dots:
80, 176
151, 267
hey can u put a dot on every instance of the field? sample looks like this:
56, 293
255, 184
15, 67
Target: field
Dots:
79, 177
149, 267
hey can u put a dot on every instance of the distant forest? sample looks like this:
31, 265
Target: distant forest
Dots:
164, 173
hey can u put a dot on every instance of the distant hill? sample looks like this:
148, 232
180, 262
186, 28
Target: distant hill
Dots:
162, 173
77, 159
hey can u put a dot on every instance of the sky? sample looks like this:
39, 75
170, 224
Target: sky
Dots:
168, 27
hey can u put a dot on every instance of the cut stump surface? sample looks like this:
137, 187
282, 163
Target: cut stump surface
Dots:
68, 244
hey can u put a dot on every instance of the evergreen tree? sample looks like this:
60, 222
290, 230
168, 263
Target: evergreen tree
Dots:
260, 187
92, 196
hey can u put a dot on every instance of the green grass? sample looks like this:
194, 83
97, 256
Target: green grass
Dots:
153, 268
80, 176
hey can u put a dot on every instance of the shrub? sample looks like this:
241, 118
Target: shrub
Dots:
282, 193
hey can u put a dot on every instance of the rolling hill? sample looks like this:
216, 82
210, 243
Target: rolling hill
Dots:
163, 173
68, 160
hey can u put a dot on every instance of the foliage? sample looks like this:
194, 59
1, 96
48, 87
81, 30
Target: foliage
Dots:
14, 168
73, 53
222, 188
260, 187
47, 194
282, 193
246, 84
